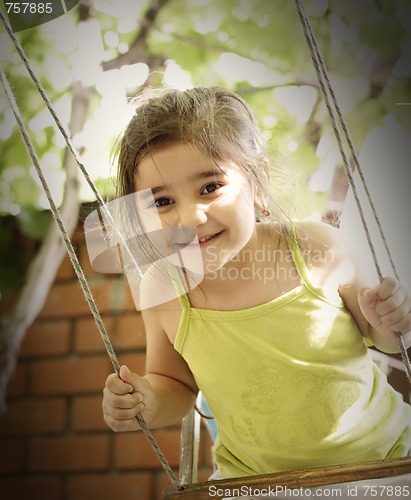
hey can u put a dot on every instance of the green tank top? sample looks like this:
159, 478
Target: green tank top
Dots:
291, 383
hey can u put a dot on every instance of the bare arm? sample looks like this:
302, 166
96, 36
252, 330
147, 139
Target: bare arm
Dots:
379, 309
387, 309
168, 373
162, 396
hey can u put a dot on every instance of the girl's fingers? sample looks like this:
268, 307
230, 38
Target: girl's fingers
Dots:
117, 386
399, 301
386, 288
124, 401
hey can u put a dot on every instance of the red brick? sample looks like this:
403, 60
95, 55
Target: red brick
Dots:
132, 486
68, 300
24, 488
132, 450
12, 456
120, 298
64, 454
66, 270
85, 260
36, 416
136, 362
70, 375
18, 385
46, 338
124, 331
87, 414
129, 332
163, 482
87, 338
77, 238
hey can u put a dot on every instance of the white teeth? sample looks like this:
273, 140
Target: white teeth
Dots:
206, 238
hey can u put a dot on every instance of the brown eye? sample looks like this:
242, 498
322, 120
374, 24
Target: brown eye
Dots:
163, 202
211, 188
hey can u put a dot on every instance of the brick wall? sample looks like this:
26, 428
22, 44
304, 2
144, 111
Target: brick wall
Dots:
53, 440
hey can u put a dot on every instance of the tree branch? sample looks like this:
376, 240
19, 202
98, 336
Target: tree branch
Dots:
137, 51
298, 82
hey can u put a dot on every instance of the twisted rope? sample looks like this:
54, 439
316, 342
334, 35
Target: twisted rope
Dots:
337, 123
66, 239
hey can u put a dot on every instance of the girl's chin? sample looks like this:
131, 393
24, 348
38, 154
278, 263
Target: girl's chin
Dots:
211, 269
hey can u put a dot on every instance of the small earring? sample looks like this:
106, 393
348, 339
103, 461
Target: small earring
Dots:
266, 213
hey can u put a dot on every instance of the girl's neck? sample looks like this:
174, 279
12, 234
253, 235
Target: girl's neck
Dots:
246, 273
244, 258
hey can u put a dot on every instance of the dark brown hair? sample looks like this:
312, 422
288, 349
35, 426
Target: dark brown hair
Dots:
215, 120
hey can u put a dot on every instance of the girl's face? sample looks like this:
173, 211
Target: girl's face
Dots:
191, 190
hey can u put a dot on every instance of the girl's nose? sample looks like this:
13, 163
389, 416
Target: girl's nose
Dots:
192, 215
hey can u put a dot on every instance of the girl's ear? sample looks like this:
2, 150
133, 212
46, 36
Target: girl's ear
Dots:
262, 190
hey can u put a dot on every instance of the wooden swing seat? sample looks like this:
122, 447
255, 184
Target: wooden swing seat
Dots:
354, 474
360, 474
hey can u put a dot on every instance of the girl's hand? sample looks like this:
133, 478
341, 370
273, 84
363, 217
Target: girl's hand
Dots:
387, 308
124, 397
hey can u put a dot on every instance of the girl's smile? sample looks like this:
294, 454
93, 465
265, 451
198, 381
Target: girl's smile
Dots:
204, 240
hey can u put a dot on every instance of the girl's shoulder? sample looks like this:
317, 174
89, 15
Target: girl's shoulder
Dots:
322, 246
317, 235
314, 238
157, 292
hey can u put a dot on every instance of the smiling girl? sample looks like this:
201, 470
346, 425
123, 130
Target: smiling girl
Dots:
274, 334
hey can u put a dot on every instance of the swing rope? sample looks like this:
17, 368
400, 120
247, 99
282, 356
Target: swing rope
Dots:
66, 239
338, 124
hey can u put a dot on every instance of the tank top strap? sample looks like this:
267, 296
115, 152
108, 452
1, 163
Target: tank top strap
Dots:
177, 277
297, 256
303, 271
